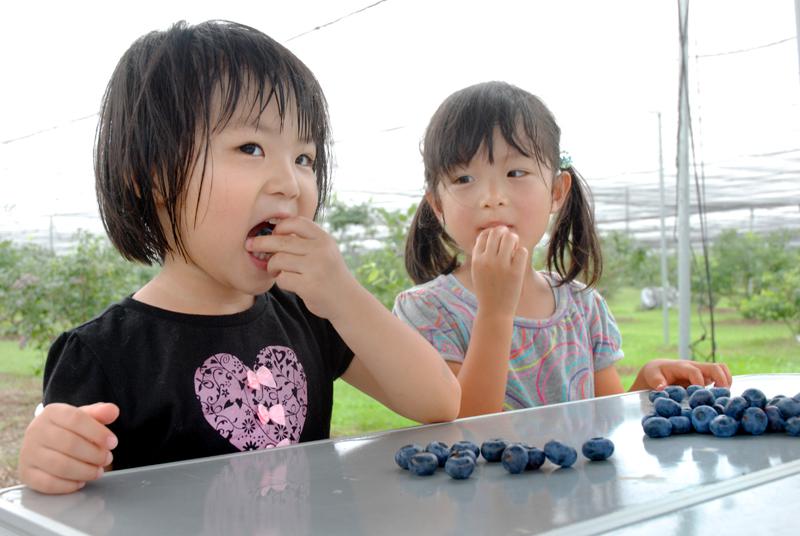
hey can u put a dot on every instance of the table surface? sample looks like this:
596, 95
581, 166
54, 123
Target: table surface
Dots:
690, 483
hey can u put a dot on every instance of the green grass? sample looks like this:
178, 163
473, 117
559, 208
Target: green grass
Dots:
747, 347
20, 362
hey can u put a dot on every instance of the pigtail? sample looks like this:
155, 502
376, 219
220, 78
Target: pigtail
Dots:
427, 252
574, 245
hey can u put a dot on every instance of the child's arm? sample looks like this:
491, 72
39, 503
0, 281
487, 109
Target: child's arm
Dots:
392, 362
65, 446
497, 268
659, 373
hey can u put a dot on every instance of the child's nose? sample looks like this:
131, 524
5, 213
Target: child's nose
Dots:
282, 178
495, 193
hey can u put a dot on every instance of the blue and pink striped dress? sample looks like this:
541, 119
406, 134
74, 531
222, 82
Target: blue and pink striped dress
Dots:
551, 360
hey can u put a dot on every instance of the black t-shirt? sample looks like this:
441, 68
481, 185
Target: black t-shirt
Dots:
190, 386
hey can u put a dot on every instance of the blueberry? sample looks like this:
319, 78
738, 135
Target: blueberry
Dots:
701, 397
775, 419
723, 426
736, 406
423, 463
681, 424
560, 454
649, 415
755, 397
492, 449
440, 450
459, 465
654, 395
264, 231
774, 399
468, 445
722, 400
701, 418
657, 427
598, 448
686, 412
676, 392
793, 426
536, 458
514, 458
797, 397
789, 407
754, 420
404, 453
666, 407
720, 391
692, 388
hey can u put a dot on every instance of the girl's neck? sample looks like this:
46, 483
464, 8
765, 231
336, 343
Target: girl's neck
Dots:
536, 301
174, 290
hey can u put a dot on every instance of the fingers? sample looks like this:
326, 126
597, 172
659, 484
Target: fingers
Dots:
81, 422
44, 482
103, 412
717, 373
498, 242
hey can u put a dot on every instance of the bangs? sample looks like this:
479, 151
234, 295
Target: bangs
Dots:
466, 121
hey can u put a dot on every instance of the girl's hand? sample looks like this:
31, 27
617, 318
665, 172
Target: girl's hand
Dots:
306, 260
66, 446
659, 373
498, 267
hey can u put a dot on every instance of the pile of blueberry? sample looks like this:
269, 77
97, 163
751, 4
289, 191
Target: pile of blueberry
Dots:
460, 459
714, 410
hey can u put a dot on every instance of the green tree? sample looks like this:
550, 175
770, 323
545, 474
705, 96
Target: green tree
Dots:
777, 299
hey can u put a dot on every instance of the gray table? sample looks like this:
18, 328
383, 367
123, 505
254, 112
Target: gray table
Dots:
683, 484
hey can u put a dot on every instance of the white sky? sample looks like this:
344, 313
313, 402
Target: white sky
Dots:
603, 67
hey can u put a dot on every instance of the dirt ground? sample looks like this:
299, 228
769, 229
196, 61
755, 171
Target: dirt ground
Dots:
18, 398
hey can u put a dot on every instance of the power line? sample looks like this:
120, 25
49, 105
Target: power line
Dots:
48, 129
742, 50
336, 20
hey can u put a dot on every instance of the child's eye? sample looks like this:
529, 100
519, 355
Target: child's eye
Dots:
305, 160
463, 179
515, 173
252, 149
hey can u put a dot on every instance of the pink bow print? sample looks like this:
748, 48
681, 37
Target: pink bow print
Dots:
260, 377
274, 413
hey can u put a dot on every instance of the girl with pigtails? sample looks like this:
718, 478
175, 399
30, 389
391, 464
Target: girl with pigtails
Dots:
495, 183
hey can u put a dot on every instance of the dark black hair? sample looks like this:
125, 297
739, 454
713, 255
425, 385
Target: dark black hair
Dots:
465, 122
156, 120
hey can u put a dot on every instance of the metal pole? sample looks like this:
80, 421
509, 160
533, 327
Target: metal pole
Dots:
664, 277
797, 22
684, 236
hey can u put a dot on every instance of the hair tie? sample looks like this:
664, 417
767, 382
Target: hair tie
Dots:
565, 162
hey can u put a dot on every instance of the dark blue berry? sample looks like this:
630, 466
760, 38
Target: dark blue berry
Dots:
776, 421
701, 418
657, 427
701, 397
774, 399
686, 412
723, 426
654, 395
438, 449
755, 397
514, 458
681, 424
423, 463
789, 407
720, 391
722, 400
466, 445
754, 421
404, 453
598, 448
648, 416
720, 409
692, 388
492, 449
560, 454
793, 426
735, 407
676, 392
536, 458
459, 466
666, 407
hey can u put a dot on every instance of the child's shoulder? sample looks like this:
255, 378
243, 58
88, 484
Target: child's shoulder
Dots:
574, 290
443, 288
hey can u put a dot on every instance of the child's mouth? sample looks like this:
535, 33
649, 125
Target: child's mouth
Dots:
264, 228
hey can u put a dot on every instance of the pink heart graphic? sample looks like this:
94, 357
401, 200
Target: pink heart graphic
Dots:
254, 414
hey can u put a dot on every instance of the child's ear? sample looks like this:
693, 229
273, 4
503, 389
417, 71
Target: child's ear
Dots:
561, 186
